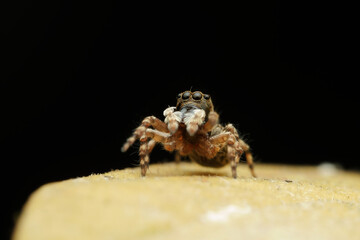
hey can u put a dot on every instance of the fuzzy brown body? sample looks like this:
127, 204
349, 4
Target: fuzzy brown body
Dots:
191, 129
196, 147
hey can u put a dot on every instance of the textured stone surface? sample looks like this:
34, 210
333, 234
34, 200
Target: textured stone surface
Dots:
187, 201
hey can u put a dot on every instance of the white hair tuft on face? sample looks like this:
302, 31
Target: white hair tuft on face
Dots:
194, 115
172, 119
168, 111
193, 119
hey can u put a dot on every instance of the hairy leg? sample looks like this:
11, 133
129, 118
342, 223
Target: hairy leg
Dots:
157, 135
210, 147
233, 153
248, 156
139, 132
177, 157
241, 144
145, 149
147, 146
236, 147
213, 119
144, 157
164, 138
220, 138
249, 160
155, 123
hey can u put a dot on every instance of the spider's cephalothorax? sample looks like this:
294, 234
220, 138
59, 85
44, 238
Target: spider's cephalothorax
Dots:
188, 100
191, 129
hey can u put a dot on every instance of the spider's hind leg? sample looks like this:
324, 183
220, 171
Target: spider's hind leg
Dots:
248, 156
249, 160
233, 154
177, 157
239, 146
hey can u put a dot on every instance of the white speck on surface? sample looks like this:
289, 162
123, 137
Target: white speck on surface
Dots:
79, 180
327, 169
224, 214
107, 177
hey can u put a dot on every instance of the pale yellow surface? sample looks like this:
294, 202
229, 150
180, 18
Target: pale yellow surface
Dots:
187, 201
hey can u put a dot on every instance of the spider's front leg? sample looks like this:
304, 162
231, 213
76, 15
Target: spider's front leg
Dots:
158, 133
144, 150
145, 145
139, 132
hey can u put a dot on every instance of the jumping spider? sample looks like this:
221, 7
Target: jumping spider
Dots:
191, 129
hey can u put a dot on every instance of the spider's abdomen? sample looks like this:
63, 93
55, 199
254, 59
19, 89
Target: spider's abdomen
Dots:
218, 161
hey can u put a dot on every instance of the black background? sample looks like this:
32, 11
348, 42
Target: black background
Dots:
78, 77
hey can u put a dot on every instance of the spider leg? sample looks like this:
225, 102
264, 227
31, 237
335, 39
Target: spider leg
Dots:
248, 156
139, 132
213, 119
209, 148
233, 149
145, 149
144, 157
249, 160
220, 138
245, 147
147, 146
177, 157
155, 123
158, 136
233, 153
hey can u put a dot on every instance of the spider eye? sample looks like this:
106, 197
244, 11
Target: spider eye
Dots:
207, 96
186, 95
197, 96
179, 95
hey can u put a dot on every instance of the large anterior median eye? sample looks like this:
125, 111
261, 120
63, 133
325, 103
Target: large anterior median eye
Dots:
197, 96
186, 95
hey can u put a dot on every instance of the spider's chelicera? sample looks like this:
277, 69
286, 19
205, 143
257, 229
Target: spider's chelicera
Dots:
192, 129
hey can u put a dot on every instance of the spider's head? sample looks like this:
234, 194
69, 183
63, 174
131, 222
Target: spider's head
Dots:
194, 100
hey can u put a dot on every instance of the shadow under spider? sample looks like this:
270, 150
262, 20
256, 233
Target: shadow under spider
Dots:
190, 173
203, 173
